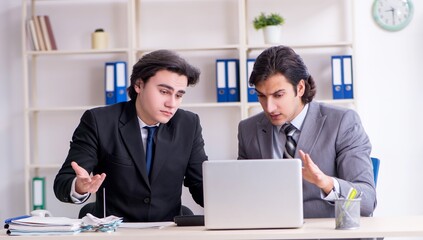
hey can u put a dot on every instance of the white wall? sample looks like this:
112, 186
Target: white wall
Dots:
387, 87
11, 111
388, 90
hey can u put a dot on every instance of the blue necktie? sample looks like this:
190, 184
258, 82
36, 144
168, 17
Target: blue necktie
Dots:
149, 148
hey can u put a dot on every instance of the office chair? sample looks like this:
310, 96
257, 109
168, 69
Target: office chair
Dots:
376, 163
89, 208
185, 211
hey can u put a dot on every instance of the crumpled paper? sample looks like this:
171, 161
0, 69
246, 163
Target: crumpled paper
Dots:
107, 224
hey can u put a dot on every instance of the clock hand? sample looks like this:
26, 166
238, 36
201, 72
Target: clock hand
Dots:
393, 16
392, 10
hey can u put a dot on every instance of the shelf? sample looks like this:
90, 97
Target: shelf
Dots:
338, 101
193, 49
254, 47
78, 1
305, 46
62, 109
45, 166
73, 52
222, 29
331, 101
184, 105
212, 105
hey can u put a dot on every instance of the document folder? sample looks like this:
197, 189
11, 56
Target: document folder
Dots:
38, 193
110, 83
347, 77
252, 94
120, 83
221, 81
233, 80
337, 86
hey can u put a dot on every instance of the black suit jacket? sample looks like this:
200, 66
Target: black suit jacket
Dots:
108, 140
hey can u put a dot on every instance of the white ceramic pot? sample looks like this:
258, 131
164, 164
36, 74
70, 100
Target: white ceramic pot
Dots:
272, 34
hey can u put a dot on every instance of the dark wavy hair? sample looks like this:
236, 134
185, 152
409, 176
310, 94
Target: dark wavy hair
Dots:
151, 63
283, 60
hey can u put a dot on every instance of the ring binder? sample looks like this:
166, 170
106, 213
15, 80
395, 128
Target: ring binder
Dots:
337, 85
221, 80
252, 94
38, 193
232, 80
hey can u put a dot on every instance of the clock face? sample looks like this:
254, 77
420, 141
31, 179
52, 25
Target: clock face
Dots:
392, 15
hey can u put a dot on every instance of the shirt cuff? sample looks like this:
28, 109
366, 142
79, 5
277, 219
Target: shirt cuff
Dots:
76, 197
332, 194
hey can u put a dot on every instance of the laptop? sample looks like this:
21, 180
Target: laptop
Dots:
253, 194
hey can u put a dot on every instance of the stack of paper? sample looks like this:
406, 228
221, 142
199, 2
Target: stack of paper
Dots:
44, 226
107, 224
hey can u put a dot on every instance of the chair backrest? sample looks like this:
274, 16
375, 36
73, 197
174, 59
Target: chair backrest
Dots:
376, 163
186, 211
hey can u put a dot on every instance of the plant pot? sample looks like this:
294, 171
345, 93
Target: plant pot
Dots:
272, 34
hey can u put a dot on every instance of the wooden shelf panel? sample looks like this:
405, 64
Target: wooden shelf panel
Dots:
78, 52
83, 108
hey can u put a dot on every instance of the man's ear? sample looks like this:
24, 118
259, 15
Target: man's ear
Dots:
139, 85
301, 88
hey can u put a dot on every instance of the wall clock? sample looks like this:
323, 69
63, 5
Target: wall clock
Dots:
392, 15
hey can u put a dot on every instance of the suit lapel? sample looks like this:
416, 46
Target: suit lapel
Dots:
312, 126
131, 136
264, 136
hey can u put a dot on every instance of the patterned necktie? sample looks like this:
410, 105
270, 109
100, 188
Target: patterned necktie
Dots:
149, 148
290, 145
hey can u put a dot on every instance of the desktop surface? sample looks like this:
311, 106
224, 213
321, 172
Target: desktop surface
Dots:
370, 227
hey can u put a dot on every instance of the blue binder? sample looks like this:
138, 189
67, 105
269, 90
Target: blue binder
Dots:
252, 94
347, 76
120, 82
109, 83
221, 80
232, 77
337, 75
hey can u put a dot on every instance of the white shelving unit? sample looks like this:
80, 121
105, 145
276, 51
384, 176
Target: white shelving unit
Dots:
60, 85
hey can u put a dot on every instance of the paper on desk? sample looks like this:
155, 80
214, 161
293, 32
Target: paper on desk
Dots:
44, 226
106, 224
48, 221
92, 220
40, 233
145, 224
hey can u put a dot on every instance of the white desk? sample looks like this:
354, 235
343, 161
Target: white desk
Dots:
407, 226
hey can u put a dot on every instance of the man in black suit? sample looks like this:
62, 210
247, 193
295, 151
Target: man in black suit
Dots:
111, 141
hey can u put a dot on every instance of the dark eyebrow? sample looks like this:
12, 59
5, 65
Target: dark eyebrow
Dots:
278, 91
170, 88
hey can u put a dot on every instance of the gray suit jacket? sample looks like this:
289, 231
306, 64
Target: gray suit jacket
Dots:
336, 142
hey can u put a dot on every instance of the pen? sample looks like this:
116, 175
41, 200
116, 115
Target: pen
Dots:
104, 202
352, 193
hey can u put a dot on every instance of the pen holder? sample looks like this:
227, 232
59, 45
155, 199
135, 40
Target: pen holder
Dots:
347, 213
99, 39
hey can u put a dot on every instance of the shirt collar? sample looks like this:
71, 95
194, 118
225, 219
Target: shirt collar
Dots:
299, 119
143, 124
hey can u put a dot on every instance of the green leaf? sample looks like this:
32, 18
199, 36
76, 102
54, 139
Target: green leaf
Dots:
264, 20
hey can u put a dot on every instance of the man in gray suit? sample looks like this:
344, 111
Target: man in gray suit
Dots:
112, 143
331, 141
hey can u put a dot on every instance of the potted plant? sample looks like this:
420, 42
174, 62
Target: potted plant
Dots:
271, 25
